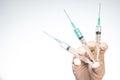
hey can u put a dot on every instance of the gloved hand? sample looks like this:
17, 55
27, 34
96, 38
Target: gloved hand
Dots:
93, 70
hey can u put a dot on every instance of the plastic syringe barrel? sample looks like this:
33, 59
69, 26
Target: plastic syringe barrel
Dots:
68, 48
98, 33
78, 33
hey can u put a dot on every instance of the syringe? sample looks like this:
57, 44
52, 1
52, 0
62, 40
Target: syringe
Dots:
81, 38
69, 49
98, 33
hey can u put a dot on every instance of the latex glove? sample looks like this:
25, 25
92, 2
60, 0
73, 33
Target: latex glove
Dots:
93, 70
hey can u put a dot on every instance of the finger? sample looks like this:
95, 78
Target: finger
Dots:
81, 51
96, 70
89, 49
83, 55
103, 48
76, 61
95, 65
91, 45
76, 65
80, 71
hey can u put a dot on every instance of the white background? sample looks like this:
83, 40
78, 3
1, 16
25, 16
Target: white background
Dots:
27, 54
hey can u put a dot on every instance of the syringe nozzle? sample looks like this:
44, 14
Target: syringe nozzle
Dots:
99, 21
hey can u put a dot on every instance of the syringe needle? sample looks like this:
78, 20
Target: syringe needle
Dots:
99, 21
59, 41
73, 25
67, 15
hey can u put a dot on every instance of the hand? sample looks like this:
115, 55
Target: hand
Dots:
93, 70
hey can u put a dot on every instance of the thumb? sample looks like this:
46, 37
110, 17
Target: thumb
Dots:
98, 68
